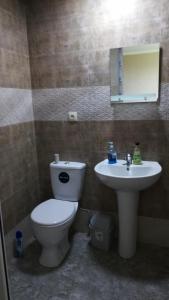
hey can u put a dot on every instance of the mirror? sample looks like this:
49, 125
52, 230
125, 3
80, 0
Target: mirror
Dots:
134, 73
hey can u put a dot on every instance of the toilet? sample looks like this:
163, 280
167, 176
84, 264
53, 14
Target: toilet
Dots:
52, 218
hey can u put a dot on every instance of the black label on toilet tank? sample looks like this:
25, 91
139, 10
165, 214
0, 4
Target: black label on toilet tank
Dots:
64, 177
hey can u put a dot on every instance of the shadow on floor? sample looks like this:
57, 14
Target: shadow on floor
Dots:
150, 262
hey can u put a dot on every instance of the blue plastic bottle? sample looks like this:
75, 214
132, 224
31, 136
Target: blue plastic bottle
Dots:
19, 244
111, 154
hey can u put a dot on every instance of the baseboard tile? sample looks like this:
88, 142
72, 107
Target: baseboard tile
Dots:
150, 230
153, 231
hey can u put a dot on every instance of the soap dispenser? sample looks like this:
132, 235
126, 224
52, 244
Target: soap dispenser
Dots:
137, 155
111, 153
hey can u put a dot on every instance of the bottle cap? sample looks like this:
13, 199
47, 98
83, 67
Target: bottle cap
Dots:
56, 158
18, 234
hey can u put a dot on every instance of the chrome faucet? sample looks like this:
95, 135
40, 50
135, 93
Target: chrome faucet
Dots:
128, 161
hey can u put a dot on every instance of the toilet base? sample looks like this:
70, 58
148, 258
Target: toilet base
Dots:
52, 256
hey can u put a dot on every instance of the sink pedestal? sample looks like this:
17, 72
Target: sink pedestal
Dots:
127, 184
127, 212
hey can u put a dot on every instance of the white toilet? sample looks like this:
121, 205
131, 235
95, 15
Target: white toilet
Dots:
52, 219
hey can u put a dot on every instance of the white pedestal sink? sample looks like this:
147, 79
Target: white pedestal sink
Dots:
127, 185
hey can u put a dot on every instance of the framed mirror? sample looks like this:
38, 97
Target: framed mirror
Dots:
134, 73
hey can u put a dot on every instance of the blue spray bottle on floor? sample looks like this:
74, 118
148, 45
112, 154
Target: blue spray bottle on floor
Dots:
18, 244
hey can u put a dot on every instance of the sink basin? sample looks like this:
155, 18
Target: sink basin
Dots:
127, 185
138, 178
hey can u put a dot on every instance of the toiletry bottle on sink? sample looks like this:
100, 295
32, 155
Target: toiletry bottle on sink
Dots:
137, 155
111, 154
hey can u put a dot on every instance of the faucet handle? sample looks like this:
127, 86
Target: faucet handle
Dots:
129, 157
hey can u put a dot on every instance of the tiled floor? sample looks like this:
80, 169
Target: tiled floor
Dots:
90, 274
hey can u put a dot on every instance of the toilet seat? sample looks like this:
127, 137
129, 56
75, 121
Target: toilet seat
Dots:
53, 212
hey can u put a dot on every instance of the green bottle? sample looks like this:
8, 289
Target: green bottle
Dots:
137, 155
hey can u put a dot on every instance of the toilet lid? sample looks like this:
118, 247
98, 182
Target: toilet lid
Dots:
53, 212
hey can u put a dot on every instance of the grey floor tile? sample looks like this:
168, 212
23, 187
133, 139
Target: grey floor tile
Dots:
91, 274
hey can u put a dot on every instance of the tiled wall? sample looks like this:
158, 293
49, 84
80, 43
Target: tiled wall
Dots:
69, 56
14, 55
70, 40
69, 44
86, 141
93, 103
19, 174
18, 160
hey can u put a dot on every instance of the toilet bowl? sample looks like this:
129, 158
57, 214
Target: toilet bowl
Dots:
51, 220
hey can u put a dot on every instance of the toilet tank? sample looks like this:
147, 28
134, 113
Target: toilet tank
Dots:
67, 179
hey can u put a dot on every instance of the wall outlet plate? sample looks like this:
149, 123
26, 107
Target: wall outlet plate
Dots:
72, 116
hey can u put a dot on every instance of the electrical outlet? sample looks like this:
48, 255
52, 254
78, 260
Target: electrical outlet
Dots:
72, 116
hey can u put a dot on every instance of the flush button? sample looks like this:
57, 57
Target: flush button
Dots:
64, 177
